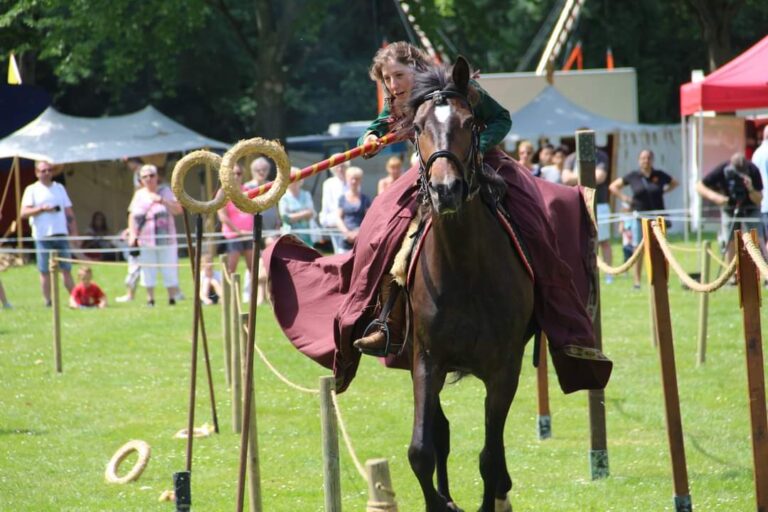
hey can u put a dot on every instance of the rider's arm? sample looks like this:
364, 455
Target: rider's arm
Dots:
378, 127
496, 119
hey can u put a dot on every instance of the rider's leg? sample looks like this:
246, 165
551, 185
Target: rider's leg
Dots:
375, 342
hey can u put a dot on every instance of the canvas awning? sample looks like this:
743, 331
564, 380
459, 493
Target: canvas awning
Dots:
738, 85
61, 139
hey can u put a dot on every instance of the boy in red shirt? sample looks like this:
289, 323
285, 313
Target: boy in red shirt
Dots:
87, 294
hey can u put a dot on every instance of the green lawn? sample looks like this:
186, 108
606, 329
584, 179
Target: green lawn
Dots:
126, 376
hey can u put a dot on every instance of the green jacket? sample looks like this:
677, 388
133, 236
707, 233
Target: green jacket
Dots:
488, 112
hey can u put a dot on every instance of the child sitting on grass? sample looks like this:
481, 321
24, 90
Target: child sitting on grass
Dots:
87, 294
210, 282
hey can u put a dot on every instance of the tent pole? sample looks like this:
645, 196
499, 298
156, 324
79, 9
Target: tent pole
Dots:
700, 169
16, 168
686, 178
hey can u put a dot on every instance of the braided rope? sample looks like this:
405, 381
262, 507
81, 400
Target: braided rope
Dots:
716, 258
347, 440
683, 249
614, 271
755, 254
683, 275
116, 263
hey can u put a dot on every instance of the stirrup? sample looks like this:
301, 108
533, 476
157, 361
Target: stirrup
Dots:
381, 325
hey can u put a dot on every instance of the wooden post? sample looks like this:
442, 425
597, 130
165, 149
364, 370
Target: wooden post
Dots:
381, 496
329, 429
749, 288
16, 166
237, 374
701, 352
254, 471
53, 266
544, 420
598, 454
652, 316
226, 324
659, 282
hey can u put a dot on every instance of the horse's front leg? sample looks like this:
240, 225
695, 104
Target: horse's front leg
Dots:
493, 465
421, 453
442, 430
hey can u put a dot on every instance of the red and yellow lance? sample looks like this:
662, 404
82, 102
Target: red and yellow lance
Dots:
334, 160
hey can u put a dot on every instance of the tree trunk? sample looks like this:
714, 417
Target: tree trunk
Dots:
715, 18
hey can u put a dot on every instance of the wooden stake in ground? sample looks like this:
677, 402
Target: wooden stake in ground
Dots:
598, 453
701, 352
749, 289
544, 420
53, 265
381, 496
329, 429
659, 281
226, 306
237, 374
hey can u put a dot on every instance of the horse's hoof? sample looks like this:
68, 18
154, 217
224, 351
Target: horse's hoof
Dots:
503, 505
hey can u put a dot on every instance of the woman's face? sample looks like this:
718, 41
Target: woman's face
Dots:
645, 160
398, 79
354, 182
149, 180
525, 152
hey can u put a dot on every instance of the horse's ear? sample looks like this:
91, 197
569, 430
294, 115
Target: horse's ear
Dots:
460, 73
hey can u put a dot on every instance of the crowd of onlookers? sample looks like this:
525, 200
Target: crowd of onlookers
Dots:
150, 247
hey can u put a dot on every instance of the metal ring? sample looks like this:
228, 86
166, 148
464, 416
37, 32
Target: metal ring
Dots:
269, 148
181, 169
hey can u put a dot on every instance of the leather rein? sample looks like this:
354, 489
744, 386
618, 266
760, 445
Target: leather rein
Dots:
468, 168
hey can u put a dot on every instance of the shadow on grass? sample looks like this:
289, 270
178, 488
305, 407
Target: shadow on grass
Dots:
21, 431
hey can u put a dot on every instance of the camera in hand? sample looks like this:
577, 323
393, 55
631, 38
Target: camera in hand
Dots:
134, 250
737, 190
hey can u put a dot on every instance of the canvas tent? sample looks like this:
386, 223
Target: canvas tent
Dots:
552, 115
741, 84
64, 139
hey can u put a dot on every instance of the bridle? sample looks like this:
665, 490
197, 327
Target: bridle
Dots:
468, 168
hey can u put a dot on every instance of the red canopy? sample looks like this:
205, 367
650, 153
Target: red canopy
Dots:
740, 84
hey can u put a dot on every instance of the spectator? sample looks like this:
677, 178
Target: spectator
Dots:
151, 223
333, 188
270, 223
87, 294
570, 176
296, 209
648, 188
553, 172
736, 186
210, 282
352, 207
760, 160
49, 210
525, 155
544, 158
98, 230
394, 170
237, 228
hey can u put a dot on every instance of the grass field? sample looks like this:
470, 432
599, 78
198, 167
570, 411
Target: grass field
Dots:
126, 377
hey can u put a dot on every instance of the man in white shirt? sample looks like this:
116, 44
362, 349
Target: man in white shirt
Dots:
49, 210
333, 188
760, 159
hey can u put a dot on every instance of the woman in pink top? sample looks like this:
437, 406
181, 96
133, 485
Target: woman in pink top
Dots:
236, 224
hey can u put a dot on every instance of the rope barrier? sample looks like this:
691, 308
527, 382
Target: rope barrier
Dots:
347, 440
755, 254
614, 271
684, 249
683, 275
94, 263
716, 258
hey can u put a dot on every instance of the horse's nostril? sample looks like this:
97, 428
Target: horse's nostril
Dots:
456, 187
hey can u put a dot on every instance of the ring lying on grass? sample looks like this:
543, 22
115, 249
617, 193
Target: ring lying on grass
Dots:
139, 446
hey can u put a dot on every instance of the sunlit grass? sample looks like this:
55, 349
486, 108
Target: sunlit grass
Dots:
126, 376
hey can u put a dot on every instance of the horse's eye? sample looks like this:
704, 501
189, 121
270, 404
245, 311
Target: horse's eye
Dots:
417, 129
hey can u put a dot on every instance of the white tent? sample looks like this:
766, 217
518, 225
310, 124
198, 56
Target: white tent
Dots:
61, 139
552, 115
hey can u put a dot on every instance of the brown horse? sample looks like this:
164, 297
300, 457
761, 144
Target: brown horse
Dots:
471, 295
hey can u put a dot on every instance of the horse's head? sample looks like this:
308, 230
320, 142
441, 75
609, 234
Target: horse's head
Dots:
446, 135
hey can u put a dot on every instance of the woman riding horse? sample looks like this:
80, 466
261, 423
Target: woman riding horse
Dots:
559, 310
317, 296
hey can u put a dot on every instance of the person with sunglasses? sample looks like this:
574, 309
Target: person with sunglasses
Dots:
151, 223
47, 206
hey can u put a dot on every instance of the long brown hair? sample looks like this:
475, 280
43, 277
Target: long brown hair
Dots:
401, 52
